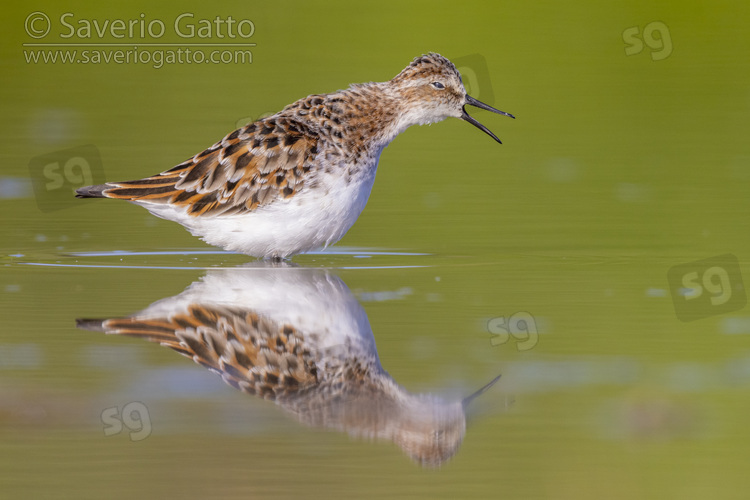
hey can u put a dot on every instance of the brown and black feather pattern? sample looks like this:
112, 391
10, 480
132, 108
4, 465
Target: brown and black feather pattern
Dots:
250, 352
253, 166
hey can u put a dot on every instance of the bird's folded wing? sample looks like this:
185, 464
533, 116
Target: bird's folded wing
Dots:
250, 352
254, 166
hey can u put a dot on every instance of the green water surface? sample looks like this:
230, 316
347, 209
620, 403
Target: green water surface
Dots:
629, 157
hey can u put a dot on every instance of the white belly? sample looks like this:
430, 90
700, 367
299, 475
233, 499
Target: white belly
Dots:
313, 219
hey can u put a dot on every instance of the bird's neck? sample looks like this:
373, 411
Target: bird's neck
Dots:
373, 112
368, 115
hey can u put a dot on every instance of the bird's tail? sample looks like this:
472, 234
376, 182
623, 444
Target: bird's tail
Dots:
92, 191
157, 189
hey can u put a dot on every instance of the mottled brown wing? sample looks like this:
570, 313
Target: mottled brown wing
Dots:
251, 353
251, 167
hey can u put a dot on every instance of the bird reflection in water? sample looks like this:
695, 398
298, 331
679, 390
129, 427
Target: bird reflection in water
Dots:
298, 336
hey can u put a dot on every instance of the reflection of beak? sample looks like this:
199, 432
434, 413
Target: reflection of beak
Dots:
484, 389
473, 102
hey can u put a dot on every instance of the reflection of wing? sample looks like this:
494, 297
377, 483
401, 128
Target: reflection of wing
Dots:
299, 337
249, 168
251, 353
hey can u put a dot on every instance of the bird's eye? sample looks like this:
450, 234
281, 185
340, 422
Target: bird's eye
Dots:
438, 85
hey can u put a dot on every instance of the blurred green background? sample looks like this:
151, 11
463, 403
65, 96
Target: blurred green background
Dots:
629, 156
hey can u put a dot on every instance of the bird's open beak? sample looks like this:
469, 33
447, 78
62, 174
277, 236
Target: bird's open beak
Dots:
473, 102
